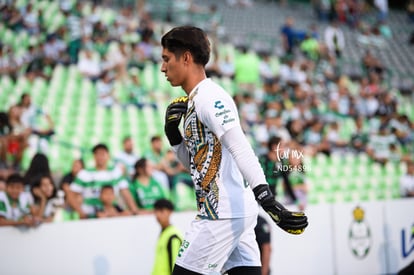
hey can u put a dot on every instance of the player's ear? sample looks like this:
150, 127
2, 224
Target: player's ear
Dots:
187, 57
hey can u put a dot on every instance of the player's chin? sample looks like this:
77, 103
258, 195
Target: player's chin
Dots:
173, 83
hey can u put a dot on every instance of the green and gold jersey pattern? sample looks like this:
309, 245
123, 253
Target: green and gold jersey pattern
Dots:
205, 158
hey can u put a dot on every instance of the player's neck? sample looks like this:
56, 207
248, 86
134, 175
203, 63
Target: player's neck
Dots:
196, 77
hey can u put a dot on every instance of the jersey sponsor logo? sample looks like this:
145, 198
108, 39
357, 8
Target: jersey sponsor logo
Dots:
222, 113
218, 104
407, 242
225, 121
359, 234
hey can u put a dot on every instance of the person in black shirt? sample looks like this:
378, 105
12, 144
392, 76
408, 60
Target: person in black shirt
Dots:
274, 168
262, 231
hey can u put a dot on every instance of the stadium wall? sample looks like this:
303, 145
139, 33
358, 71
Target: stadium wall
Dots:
350, 238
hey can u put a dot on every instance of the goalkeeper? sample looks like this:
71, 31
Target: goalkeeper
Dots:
215, 150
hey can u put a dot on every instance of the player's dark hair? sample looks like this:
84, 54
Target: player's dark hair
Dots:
163, 204
15, 178
188, 38
100, 146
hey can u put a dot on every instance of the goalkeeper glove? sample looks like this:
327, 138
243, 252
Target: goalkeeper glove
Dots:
173, 115
291, 222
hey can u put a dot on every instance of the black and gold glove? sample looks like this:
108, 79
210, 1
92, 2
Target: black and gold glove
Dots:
173, 115
291, 222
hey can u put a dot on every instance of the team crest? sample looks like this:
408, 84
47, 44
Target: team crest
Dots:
359, 234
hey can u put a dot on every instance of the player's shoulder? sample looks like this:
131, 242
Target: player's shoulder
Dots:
209, 93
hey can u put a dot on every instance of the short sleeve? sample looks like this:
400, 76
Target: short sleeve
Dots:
123, 184
79, 182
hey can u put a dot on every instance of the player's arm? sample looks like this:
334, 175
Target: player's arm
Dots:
220, 116
236, 143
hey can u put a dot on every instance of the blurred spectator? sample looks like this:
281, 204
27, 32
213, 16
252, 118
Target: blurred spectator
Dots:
290, 72
74, 31
127, 157
19, 136
315, 140
379, 145
274, 167
407, 181
323, 9
88, 183
108, 207
371, 63
155, 155
175, 170
296, 130
146, 48
105, 90
38, 121
2, 183
137, 95
88, 65
144, 188
265, 67
15, 205
31, 19
310, 47
262, 231
382, 6
297, 178
334, 39
119, 58
169, 241
14, 18
226, 67
249, 113
246, 73
55, 51
333, 136
410, 10
44, 192
5, 61
290, 36
359, 137
67, 179
38, 167
5, 131
403, 129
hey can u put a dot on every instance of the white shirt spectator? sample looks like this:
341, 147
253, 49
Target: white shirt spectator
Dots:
89, 66
407, 185
334, 38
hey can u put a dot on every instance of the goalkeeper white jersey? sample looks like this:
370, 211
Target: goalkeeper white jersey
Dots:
220, 188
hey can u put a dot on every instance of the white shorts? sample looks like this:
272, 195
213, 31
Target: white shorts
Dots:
215, 246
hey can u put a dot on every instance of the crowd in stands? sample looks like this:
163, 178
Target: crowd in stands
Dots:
298, 102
